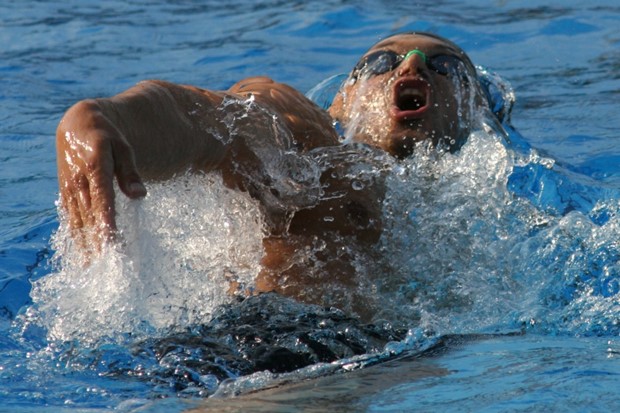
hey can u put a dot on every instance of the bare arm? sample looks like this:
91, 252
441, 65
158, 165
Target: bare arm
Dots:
146, 132
157, 129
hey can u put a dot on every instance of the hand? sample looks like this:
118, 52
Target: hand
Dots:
91, 151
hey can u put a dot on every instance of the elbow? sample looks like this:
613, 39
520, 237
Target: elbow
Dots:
77, 115
83, 116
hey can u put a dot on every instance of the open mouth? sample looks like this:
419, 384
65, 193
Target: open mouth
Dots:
411, 99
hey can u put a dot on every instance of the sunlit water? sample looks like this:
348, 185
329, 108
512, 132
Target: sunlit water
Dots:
497, 238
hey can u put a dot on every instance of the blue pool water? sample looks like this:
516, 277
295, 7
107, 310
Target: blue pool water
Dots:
522, 236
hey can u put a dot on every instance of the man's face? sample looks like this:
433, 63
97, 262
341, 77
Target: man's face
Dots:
406, 89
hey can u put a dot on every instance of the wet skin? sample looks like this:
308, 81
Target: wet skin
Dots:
158, 129
406, 105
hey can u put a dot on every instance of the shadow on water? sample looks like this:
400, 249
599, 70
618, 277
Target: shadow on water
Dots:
336, 393
345, 390
265, 333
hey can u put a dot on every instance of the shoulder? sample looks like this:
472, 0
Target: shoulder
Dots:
311, 125
268, 91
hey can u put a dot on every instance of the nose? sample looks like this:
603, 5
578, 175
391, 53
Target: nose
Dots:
412, 63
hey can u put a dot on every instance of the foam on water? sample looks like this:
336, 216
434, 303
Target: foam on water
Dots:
448, 220
472, 256
181, 246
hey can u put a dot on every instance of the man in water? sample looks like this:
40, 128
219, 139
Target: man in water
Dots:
268, 139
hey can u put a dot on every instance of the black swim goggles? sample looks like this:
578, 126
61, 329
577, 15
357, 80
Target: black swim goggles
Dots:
383, 61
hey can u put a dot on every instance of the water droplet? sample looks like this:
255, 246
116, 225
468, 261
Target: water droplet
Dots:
357, 185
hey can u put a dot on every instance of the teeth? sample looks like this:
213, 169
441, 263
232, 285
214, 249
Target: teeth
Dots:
411, 95
413, 92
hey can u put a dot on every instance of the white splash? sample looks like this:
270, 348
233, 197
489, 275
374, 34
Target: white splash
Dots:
181, 247
470, 256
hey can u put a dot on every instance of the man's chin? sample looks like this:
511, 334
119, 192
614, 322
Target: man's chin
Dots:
402, 146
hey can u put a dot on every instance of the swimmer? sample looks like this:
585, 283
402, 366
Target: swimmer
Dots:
407, 89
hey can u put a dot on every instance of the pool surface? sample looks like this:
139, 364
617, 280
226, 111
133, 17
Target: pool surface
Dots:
508, 283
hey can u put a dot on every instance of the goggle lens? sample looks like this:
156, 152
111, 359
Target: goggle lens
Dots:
383, 61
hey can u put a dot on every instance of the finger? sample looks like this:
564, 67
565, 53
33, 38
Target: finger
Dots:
81, 194
69, 209
69, 204
126, 172
101, 195
71, 212
82, 219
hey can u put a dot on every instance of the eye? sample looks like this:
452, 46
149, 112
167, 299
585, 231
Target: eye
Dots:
444, 64
376, 63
